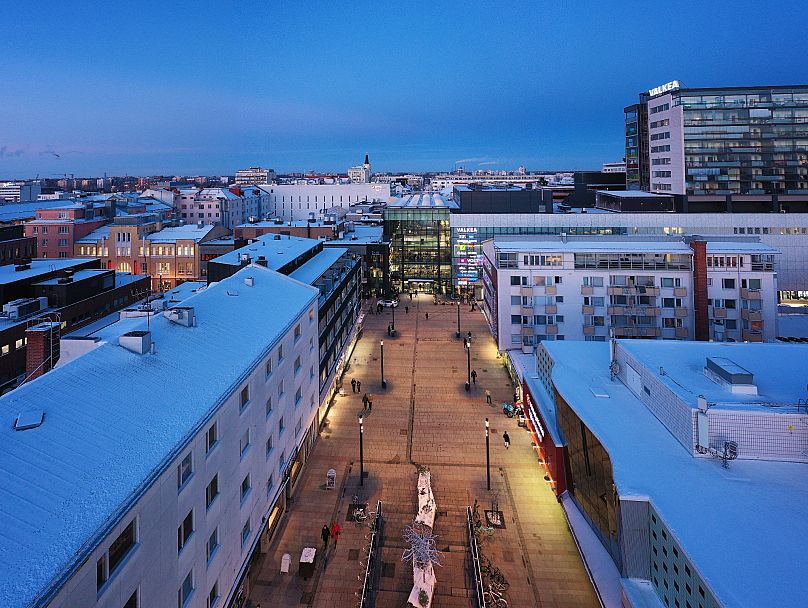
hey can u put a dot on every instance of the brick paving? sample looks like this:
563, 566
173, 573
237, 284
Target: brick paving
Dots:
425, 416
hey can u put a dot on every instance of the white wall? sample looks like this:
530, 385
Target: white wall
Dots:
295, 201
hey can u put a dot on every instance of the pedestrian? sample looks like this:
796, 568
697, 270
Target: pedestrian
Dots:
469, 337
506, 439
407, 309
474, 376
514, 398
325, 534
388, 329
370, 402
371, 310
365, 401
488, 397
358, 386
353, 385
427, 316
335, 532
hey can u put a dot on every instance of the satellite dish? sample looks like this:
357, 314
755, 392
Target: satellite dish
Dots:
614, 368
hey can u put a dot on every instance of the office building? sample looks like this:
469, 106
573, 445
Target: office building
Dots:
614, 167
254, 176
159, 490
19, 192
291, 202
360, 174
718, 141
590, 288
687, 462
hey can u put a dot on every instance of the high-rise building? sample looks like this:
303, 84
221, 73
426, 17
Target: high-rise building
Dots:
254, 175
718, 141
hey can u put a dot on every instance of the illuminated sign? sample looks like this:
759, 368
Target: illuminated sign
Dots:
535, 419
668, 86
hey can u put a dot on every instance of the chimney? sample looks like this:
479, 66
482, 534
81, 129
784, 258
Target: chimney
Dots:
42, 351
702, 320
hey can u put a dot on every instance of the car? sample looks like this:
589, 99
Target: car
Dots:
388, 303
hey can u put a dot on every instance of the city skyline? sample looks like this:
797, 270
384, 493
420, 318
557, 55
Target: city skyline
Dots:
315, 88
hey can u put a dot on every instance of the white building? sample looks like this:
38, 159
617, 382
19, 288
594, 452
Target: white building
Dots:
585, 288
254, 176
148, 470
360, 174
19, 192
296, 201
229, 207
614, 167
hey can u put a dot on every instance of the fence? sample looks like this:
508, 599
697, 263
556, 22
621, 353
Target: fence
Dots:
367, 598
475, 561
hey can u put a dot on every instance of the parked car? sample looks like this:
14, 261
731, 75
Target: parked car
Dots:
388, 303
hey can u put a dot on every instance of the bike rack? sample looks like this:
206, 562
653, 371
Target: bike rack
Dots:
368, 595
475, 560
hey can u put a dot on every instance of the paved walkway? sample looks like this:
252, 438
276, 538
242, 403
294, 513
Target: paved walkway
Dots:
425, 416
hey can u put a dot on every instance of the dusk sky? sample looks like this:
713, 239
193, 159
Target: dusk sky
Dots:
208, 87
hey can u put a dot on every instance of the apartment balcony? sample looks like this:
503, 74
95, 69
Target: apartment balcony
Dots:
680, 312
527, 311
752, 335
588, 310
680, 292
637, 332
526, 291
589, 330
751, 315
550, 309
681, 332
587, 290
719, 313
550, 290
616, 310
551, 330
750, 294
527, 330
633, 291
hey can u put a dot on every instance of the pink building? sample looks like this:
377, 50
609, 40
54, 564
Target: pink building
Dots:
57, 229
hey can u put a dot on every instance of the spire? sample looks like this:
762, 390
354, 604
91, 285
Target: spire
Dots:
367, 161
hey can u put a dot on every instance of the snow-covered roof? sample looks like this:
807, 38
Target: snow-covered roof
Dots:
429, 200
8, 274
20, 211
91, 238
526, 366
315, 268
632, 194
724, 519
779, 387
66, 483
278, 252
79, 275
364, 235
594, 245
729, 246
172, 234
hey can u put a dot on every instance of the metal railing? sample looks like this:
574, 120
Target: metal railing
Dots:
475, 561
367, 597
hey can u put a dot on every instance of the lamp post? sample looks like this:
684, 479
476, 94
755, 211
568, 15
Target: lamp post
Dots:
487, 455
467, 344
394, 317
381, 347
362, 452
458, 319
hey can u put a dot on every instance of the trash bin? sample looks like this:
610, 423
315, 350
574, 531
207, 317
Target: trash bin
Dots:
286, 561
331, 479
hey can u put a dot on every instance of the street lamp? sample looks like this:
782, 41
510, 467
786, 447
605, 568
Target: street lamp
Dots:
487, 455
458, 319
394, 318
381, 347
362, 452
467, 344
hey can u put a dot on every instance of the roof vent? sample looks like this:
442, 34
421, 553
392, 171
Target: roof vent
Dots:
181, 315
29, 420
136, 341
249, 281
730, 375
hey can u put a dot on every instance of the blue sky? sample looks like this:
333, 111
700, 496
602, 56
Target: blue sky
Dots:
208, 87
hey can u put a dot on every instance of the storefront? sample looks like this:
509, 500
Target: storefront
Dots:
551, 455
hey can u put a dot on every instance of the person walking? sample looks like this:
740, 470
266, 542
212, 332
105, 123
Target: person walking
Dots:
325, 534
335, 532
407, 309
474, 376
469, 337
506, 438
365, 401
370, 402
427, 316
353, 385
358, 386
488, 397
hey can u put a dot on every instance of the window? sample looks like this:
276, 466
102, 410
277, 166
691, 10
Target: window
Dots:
297, 365
280, 388
213, 544
185, 470
185, 530
297, 332
19, 344
280, 353
245, 533
213, 596
282, 462
186, 590
245, 486
132, 602
298, 396
244, 443
516, 280
728, 283
212, 491
298, 426
269, 406
268, 368
270, 445
516, 300
212, 438
245, 397
281, 426
118, 550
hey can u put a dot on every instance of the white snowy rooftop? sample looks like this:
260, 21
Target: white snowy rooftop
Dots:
594, 245
633, 194
725, 520
114, 418
172, 234
426, 201
318, 265
740, 246
362, 234
8, 274
277, 251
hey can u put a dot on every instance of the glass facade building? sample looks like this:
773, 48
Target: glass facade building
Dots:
420, 249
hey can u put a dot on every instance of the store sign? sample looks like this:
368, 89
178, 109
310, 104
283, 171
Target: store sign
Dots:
535, 419
668, 86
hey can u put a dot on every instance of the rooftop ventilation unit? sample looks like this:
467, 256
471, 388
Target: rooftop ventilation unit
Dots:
181, 315
24, 307
29, 420
136, 341
730, 375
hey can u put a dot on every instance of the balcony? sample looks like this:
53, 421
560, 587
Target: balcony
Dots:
680, 312
751, 315
750, 294
752, 335
527, 330
588, 310
680, 292
551, 330
526, 291
587, 290
633, 291
719, 313
681, 332
550, 309
527, 310
550, 290
616, 310
589, 330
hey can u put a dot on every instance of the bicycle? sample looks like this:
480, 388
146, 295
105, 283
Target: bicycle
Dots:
494, 598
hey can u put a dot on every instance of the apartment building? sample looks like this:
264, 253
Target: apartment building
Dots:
360, 174
228, 207
291, 202
157, 492
718, 140
56, 230
686, 461
569, 288
254, 176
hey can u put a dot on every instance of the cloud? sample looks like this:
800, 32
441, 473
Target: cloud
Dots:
489, 162
6, 152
